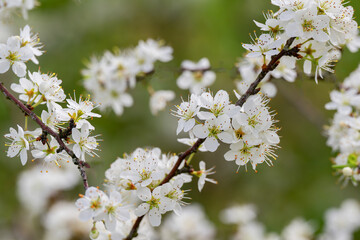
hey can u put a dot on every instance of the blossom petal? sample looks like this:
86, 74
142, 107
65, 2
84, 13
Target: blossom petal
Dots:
4, 65
144, 194
19, 68
211, 144
226, 137
155, 217
200, 131
142, 209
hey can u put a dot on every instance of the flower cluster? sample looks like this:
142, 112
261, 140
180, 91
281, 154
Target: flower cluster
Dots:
136, 187
343, 222
97, 205
249, 130
340, 223
38, 89
191, 224
320, 27
244, 217
159, 100
61, 222
196, 76
344, 131
9, 6
110, 77
36, 186
18, 50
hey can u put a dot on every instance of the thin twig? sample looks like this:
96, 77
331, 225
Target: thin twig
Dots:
133, 232
275, 60
251, 91
48, 130
182, 156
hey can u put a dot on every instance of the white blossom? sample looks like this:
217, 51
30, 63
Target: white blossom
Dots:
202, 174
155, 204
196, 76
264, 45
159, 100
298, 229
110, 77
61, 222
307, 24
186, 113
19, 144
92, 204
191, 224
14, 55
36, 186
83, 143
48, 151
213, 129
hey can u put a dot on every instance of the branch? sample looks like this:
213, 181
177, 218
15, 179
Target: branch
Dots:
275, 60
251, 91
182, 156
133, 232
48, 130
172, 173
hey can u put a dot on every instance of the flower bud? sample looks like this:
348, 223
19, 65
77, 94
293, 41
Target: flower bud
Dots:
94, 233
347, 171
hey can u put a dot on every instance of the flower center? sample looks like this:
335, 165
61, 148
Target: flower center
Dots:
153, 202
253, 121
96, 204
217, 109
214, 131
198, 76
12, 57
51, 150
239, 133
308, 26
111, 209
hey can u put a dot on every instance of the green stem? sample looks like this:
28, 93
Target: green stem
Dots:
32, 101
26, 123
38, 103
190, 158
310, 39
150, 90
339, 166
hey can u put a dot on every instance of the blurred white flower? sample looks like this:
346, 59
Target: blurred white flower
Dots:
159, 100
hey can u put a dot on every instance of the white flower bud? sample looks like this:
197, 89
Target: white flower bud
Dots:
347, 171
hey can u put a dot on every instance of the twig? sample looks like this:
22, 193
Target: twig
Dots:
251, 91
275, 60
48, 130
133, 232
182, 156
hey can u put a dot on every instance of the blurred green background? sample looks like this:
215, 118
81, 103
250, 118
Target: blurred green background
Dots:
301, 183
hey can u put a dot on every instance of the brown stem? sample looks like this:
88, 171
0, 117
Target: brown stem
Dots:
133, 232
251, 91
48, 130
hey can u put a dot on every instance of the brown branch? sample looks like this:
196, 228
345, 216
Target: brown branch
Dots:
182, 156
251, 91
48, 130
171, 174
133, 232
275, 60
